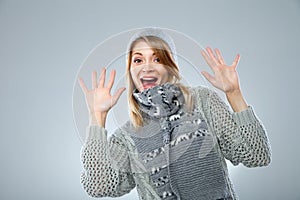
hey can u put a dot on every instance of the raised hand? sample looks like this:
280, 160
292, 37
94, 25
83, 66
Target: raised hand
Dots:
225, 77
98, 99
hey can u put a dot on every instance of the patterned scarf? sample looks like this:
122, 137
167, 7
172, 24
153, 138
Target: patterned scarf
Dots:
163, 102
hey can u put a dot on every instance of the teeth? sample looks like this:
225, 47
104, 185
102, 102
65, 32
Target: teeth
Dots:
149, 79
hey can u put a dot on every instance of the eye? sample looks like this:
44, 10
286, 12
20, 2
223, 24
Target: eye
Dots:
137, 60
156, 60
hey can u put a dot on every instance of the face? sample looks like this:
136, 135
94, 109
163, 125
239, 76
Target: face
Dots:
146, 70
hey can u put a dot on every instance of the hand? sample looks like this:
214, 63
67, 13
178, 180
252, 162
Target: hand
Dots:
225, 77
99, 99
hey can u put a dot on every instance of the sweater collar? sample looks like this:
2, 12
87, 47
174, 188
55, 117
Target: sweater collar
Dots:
160, 101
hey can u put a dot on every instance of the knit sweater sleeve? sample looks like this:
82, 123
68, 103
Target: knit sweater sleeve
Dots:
241, 136
106, 165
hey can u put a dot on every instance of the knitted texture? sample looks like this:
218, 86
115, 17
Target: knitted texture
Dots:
241, 136
109, 169
101, 176
180, 139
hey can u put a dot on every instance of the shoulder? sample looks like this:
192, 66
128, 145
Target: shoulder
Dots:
126, 128
201, 90
202, 94
205, 99
123, 133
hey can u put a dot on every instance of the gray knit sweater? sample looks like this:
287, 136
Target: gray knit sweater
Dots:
177, 154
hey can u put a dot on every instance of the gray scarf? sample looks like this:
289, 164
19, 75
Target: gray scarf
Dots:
163, 102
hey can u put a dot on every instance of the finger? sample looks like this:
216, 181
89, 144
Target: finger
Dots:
236, 60
208, 77
82, 85
94, 79
111, 79
117, 95
212, 55
220, 58
102, 78
207, 59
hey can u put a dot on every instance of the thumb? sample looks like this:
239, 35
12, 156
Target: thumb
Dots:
208, 77
118, 94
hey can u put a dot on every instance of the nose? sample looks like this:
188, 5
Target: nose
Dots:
148, 67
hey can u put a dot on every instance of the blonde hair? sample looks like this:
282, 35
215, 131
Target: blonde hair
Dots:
162, 50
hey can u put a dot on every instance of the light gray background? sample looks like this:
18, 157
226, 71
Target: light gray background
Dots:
43, 43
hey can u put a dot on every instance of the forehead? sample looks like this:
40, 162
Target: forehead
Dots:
141, 45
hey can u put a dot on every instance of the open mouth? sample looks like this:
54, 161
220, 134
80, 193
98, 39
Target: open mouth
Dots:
148, 82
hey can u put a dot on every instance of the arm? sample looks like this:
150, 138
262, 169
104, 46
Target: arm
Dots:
241, 136
106, 165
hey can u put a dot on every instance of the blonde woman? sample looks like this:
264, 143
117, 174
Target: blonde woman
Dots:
177, 139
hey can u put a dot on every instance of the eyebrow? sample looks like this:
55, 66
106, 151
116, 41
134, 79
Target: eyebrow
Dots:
141, 53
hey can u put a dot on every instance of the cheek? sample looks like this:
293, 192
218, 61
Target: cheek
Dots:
164, 73
134, 75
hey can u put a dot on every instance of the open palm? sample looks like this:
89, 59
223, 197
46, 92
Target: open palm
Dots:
225, 77
99, 99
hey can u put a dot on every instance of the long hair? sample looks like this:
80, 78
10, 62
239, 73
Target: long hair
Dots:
162, 50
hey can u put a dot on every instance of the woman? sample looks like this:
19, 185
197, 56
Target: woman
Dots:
177, 139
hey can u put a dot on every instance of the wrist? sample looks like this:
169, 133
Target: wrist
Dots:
234, 93
236, 100
98, 118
